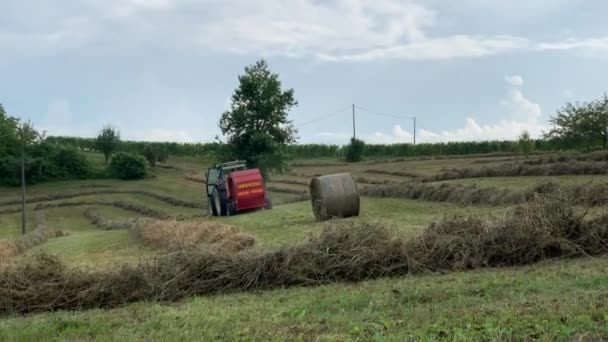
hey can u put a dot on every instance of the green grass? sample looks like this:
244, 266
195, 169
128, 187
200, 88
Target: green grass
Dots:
525, 182
95, 249
293, 222
551, 301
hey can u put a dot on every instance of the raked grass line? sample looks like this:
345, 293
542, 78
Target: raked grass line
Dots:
557, 300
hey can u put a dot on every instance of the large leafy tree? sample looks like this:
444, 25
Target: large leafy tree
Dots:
257, 124
583, 124
107, 141
9, 134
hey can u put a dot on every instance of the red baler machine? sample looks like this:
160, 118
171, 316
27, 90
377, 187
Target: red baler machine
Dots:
232, 188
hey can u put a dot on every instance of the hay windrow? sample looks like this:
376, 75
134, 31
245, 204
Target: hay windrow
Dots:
174, 235
136, 208
544, 227
103, 223
60, 196
195, 177
41, 234
285, 190
572, 167
406, 174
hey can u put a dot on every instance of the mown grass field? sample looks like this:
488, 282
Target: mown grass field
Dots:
557, 299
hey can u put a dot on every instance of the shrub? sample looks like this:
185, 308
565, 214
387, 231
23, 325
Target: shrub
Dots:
525, 144
128, 166
69, 163
354, 151
155, 153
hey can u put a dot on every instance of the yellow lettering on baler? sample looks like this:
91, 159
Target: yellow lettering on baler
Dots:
249, 185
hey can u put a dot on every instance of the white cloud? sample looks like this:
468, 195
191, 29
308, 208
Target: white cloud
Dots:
524, 114
439, 48
514, 80
160, 134
589, 44
340, 30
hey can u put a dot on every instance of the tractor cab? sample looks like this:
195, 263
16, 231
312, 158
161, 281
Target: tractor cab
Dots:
232, 188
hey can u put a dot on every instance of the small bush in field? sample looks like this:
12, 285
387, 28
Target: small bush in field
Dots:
128, 166
354, 151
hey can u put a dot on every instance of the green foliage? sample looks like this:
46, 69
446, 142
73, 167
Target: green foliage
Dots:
354, 151
128, 166
107, 141
68, 163
155, 153
582, 124
42, 160
256, 125
9, 133
525, 144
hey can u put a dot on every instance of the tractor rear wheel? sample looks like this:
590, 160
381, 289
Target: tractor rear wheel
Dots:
219, 198
267, 203
230, 209
211, 210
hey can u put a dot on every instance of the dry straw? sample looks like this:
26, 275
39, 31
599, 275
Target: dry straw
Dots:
334, 195
544, 227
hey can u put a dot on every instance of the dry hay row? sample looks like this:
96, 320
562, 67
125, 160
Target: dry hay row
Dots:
304, 175
59, 196
446, 192
38, 236
521, 169
597, 156
318, 164
543, 228
136, 208
173, 235
583, 194
407, 174
285, 190
443, 157
368, 181
302, 182
195, 177
103, 223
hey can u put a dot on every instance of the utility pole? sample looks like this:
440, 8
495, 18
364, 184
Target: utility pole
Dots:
414, 130
22, 186
354, 131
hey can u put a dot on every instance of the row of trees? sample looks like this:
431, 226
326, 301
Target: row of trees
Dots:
108, 142
583, 124
28, 157
257, 129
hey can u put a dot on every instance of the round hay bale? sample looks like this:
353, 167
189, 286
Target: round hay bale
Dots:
334, 195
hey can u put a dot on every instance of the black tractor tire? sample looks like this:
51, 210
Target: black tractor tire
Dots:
230, 211
221, 205
211, 210
267, 203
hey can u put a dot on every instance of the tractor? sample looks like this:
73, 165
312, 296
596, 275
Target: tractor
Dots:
232, 189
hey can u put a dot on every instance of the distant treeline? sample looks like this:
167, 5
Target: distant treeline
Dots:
300, 151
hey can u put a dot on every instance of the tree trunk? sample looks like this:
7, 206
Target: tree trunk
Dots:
23, 191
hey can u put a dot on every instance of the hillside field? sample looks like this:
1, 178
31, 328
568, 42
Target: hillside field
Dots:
555, 299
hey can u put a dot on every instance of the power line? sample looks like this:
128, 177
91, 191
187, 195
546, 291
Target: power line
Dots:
389, 115
385, 114
323, 117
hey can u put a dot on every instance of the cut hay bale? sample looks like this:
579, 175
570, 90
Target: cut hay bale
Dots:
334, 195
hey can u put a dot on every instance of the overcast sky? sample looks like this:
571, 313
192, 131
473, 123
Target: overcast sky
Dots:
165, 69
